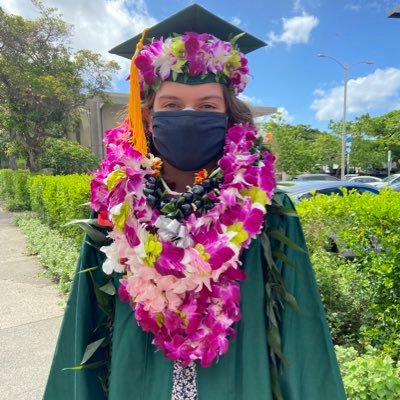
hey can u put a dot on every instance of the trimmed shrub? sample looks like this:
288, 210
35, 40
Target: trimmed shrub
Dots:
371, 376
65, 157
346, 294
59, 255
60, 199
14, 189
369, 226
57, 200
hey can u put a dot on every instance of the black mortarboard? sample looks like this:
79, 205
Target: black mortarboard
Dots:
192, 19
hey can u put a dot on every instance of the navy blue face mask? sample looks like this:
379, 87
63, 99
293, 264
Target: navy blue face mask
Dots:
189, 140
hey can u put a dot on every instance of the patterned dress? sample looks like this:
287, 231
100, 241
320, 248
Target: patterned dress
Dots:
184, 382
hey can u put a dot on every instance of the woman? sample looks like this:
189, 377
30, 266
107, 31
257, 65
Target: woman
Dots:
208, 306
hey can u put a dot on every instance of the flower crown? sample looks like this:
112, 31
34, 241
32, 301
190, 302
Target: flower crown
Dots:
192, 55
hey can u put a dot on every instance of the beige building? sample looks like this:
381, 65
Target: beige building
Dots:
99, 116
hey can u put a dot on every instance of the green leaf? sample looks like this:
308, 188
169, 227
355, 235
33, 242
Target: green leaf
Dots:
156, 86
174, 76
275, 209
276, 387
92, 245
98, 237
267, 249
276, 234
108, 288
168, 208
291, 301
88, 270
93, 365
90, 221
280, 255
274, 340
91, 349
104, 300
236, 38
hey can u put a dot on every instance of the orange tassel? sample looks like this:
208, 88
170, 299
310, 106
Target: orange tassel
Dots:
135, 122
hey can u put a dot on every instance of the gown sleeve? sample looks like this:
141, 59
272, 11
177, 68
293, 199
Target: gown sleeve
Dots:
81, 326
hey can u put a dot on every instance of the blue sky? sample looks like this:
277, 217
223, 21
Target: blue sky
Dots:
287, 74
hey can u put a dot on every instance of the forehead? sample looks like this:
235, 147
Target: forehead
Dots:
186, 91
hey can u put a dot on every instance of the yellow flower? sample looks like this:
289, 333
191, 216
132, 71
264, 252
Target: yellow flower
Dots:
114, 178
241, 234
183, 317
202, 252
177, 47
121, 215
160, 319
152, 248
256, 194
233, 62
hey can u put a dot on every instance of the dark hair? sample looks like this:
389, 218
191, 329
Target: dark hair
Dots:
238, 111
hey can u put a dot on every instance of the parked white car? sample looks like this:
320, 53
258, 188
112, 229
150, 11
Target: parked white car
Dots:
389, 181
364, 179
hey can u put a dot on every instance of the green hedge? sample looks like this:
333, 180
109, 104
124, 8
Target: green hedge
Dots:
59, 255
60, 199
362, 297
369, 376
346, 294
56, 199
14, 189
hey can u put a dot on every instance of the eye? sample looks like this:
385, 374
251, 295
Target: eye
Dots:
171, 106
208, 106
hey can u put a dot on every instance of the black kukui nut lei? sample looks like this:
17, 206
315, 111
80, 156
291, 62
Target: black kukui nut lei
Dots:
197, 199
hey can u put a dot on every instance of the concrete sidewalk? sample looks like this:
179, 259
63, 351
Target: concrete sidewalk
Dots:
30, 317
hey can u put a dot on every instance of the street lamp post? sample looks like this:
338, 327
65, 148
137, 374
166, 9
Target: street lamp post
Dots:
346, 78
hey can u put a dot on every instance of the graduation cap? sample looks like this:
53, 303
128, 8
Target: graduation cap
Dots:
192, 19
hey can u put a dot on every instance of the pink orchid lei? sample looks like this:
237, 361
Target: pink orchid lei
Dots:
193, 54
181, 278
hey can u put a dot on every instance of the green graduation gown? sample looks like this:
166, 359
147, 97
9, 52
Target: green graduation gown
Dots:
139, 372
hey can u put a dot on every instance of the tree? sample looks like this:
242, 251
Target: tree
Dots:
300, 148
42, 82
372, 138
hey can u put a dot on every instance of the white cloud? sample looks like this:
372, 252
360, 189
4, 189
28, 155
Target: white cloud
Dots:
295, 30
379, 6
285, 114
99, 25
297, 6
253, 100
352, 7
236, 21
282, 112
379, 90
318, 92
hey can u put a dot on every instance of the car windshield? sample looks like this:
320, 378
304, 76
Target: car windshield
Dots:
390, 178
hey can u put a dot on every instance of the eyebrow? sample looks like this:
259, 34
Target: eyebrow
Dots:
171, 97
